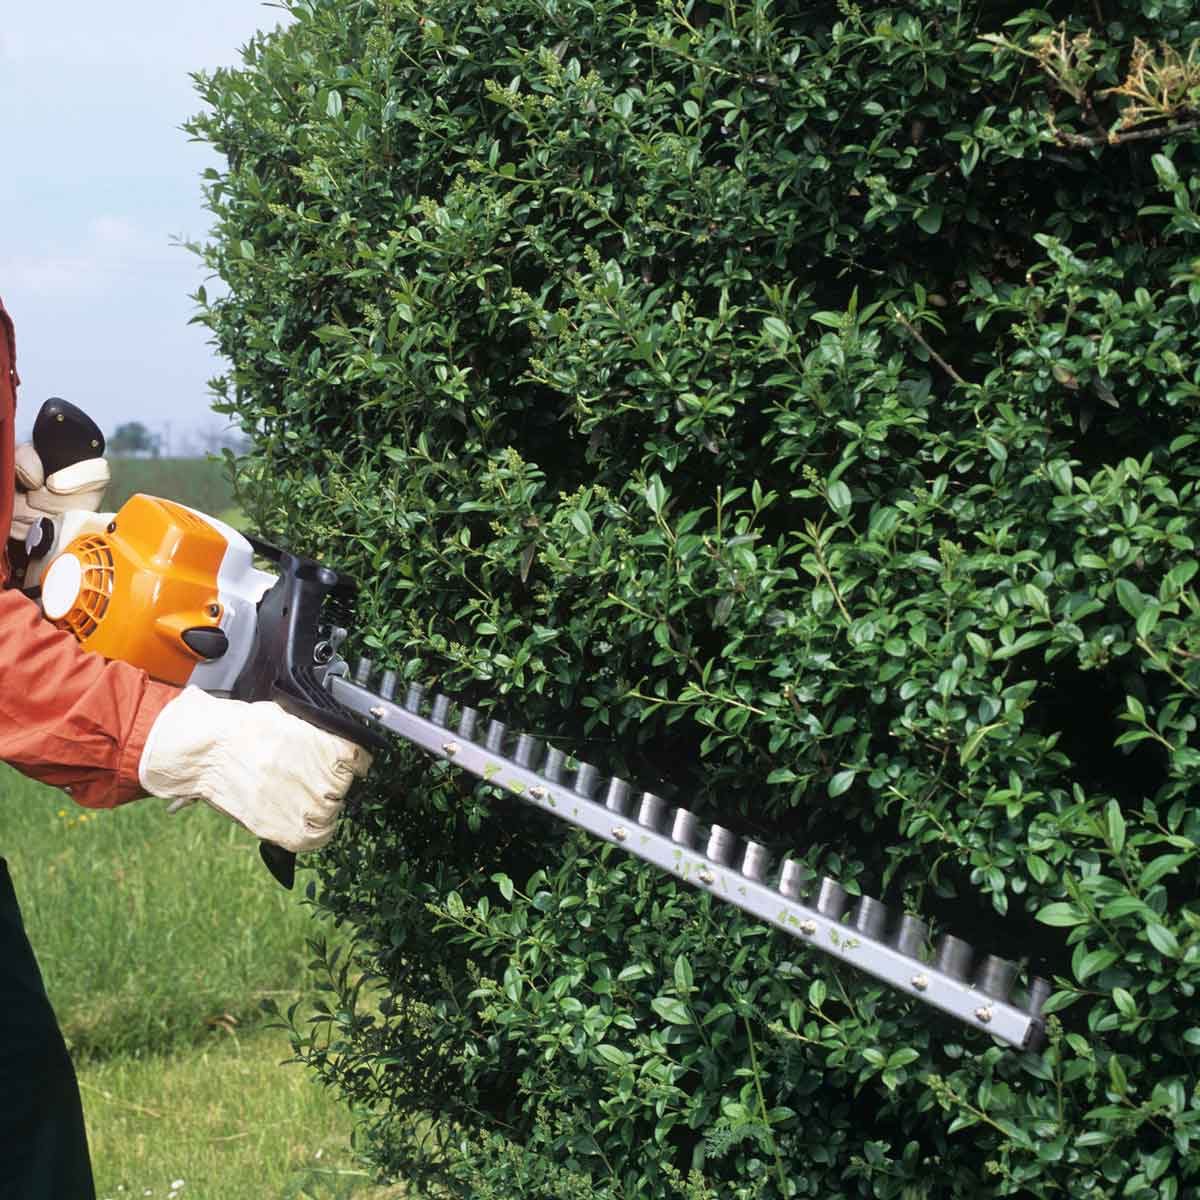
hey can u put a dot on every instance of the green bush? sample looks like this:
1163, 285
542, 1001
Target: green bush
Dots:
791, 407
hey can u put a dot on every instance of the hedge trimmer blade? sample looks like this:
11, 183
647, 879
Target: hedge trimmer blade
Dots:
711, 858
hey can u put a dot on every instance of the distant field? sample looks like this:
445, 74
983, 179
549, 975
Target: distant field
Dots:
197, 482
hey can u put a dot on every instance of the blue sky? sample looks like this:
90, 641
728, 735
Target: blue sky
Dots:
99, 182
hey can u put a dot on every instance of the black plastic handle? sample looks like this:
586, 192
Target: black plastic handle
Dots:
285, 662
63, 435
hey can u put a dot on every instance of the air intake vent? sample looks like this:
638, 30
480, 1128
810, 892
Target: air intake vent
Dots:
95, 588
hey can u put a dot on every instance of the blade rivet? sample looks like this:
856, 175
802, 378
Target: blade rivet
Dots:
620, 833
808, 927
450, 748
920, 982
538, 793
706, 876
379, 712
983, 1015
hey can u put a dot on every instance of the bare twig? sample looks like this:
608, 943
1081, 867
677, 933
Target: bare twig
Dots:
915, 333
1115, 139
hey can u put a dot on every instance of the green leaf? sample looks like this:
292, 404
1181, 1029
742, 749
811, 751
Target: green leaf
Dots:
1124, 1002
1114, 822
1061, 914
841, 783
1157, 868
1164, 168
671, 1010
1162, 939
613, 1055
1131, 599
683, 975
930, 218
1148, 619
1093, 962
776, 330
839, 498
333, 105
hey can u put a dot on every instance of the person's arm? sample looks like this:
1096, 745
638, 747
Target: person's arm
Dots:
68, 717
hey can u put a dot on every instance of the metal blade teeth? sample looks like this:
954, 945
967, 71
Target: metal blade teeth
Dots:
996, 977
721, 844
683, 828
953, 957
552, 769
468, 720
912, 936
795, 879
616, 800
528, 750
870, 917
651, 810
832, 899
1039, 993
754, 860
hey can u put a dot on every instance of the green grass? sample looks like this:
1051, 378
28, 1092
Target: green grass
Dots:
197, 482
158, 938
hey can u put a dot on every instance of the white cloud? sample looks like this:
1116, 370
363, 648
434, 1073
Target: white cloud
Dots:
112, 254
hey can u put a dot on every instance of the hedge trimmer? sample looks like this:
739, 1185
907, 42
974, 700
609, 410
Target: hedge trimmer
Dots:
179, 594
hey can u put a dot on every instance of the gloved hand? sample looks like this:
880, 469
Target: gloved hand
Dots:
76, 488
277, 776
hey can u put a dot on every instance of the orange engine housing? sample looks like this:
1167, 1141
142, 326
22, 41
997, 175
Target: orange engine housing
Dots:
163, 587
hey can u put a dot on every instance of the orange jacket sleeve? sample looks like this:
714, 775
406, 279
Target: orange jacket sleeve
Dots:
67, 717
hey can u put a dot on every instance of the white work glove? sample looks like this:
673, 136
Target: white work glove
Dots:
277, 776
79, 488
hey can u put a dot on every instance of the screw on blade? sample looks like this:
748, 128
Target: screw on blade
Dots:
387, 686
953, 957
552, 769
362, 671
651, 810
528, 748
494, 738
683, 828
586, 778
754, 860
721, 844
616, 800
440, 713
413, 698
1039, 993
832, 899
996, 977
795, 879
912, 936
467, 720
870, 917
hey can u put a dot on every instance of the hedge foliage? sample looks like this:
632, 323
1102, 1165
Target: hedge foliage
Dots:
792, 406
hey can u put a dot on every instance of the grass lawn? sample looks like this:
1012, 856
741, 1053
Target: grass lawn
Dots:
159, 937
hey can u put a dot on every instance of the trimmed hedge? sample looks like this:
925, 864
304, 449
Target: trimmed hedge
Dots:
792, 407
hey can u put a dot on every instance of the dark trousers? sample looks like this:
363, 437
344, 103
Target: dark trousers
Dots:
43, 1146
